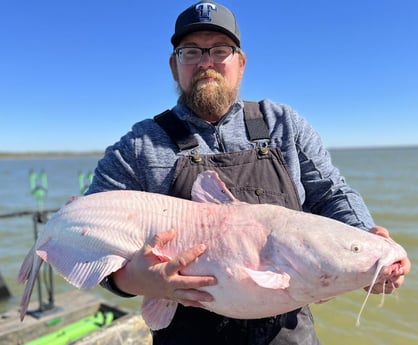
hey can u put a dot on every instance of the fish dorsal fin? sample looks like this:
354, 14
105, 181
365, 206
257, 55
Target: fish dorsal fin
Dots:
208, 187
269, 279
158, 313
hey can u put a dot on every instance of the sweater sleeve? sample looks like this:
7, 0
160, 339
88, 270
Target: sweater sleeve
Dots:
143, 159
321, 187
116, 170
326, 190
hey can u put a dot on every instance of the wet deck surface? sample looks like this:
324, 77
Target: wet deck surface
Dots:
127, 328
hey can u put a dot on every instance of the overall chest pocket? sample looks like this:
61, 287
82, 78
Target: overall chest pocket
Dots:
259, 195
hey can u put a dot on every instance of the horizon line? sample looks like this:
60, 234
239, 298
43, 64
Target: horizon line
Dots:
39, 153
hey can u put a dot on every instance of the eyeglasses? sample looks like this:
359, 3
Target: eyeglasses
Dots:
193, 55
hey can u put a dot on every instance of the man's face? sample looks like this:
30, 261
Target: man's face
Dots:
208, 88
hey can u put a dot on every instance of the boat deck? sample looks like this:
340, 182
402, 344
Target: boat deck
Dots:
70, 307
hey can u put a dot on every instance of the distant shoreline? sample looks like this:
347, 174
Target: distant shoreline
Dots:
52, 154
57, 154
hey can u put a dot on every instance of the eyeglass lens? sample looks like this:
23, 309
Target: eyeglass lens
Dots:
193, 55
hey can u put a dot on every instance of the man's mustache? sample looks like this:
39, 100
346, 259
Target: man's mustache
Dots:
210, 73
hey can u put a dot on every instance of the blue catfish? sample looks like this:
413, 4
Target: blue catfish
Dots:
267, 259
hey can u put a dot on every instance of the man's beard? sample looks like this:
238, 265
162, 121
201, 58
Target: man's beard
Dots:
208, 100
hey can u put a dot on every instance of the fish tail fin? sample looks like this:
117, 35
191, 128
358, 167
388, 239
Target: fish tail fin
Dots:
28, 272
26, 267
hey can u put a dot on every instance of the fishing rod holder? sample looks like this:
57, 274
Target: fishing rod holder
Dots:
39, 217
38, 183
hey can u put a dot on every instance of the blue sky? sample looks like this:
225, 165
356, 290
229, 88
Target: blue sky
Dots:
77, 74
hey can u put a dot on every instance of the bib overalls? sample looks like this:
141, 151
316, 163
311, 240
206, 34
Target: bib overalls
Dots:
254, 176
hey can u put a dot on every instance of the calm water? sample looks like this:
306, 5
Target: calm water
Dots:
387, 179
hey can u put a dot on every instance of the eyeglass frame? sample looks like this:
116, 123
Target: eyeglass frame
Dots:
235, 49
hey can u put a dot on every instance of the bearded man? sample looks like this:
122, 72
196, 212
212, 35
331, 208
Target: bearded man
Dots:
264, 152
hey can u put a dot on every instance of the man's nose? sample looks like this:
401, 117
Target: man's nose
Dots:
206, 60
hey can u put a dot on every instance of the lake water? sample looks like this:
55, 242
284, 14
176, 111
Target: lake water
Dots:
387, 179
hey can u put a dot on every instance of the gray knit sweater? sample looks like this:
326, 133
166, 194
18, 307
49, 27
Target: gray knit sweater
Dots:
145, 158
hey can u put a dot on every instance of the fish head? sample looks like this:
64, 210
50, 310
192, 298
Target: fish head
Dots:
332, 258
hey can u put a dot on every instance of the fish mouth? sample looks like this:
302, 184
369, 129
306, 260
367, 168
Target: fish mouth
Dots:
390, 271
390, 265
385, 274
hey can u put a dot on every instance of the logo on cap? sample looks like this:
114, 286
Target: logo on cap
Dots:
204, 9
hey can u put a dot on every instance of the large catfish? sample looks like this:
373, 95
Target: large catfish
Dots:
267, 259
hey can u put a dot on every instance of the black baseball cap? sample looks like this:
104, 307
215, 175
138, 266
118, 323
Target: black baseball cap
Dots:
209, 16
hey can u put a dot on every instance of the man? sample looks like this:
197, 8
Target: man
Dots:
264, 152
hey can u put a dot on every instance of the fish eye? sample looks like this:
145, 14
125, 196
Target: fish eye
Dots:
356, 248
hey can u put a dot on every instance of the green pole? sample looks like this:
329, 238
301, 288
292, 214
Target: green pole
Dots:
38, 187
84, 181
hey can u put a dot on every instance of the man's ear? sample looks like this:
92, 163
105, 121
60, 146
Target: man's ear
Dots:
173, 66
243, 62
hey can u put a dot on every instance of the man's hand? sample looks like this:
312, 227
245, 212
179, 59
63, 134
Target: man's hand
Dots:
146, 274
397, 277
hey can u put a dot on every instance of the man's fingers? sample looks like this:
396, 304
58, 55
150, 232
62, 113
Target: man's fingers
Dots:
192, 295
380, 231
162, 238
388, 286
178, 287
405, 266
378, 288
184, 259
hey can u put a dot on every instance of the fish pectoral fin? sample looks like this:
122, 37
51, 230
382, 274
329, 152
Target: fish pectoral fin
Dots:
269, 279
158, 313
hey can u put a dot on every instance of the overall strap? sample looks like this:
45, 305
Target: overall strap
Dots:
176, 130
254, 121
180, 134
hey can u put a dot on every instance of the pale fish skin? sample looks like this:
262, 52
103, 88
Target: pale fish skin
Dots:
267, 259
